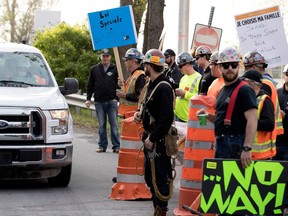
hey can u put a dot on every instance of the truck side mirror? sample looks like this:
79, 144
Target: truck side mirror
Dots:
71, 86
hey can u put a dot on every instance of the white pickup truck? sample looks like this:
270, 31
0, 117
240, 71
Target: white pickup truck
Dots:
35, 123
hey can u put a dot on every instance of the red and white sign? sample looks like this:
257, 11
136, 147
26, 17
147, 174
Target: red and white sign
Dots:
207, 36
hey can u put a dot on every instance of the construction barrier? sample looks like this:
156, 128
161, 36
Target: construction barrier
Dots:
130, 185
199, 145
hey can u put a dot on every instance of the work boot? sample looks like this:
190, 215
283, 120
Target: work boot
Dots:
160, 211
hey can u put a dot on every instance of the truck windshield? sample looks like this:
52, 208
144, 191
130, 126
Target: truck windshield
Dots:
25, 68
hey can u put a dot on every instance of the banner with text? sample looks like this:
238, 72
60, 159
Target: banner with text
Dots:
227, 188
112, 28
263, 31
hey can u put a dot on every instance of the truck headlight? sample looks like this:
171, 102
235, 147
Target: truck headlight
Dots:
63, 117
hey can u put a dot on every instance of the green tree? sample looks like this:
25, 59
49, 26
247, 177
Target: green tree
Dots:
68, 51
17, 17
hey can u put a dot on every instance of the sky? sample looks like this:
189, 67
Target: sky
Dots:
75, 12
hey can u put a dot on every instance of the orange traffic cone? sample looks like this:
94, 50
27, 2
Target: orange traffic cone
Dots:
130, 185
198, 146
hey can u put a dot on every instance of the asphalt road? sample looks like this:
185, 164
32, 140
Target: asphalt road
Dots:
87, 193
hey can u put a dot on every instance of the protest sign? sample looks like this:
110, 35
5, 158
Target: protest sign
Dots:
263, 31
227, 188
112, 28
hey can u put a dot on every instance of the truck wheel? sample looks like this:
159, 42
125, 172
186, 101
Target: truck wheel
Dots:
62, 179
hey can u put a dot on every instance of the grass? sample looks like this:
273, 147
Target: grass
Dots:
85, 119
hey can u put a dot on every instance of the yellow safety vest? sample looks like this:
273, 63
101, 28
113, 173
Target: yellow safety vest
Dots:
129, 87
264, 142
274, 97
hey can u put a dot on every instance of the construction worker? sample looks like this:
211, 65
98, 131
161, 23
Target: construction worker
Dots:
218, 83
133, 85
188, 86
195, 66
172, 71
157, 117
282, 140
254, 60
236, 112
264, 142
203, 54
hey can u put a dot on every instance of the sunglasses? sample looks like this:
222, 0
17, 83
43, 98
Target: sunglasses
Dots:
180, 66
199, 56
286, 74
234, 65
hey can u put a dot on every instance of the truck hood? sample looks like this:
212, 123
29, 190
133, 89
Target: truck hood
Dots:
43, 97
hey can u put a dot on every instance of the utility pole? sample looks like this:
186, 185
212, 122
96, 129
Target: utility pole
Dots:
183, 26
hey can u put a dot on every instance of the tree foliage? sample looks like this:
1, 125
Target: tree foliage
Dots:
18, 17
68, 51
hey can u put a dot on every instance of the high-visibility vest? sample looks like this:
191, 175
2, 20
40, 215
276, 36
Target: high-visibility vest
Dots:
274, 97
129, 87
263, 146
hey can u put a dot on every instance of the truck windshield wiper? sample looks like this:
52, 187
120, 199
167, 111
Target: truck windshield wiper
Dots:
12, 82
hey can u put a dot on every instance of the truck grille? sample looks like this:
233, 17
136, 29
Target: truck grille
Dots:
18, 125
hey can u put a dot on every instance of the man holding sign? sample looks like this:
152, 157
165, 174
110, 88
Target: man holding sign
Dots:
134, 84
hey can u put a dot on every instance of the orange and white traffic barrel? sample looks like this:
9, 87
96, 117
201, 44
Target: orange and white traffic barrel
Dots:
130, 183
199, 145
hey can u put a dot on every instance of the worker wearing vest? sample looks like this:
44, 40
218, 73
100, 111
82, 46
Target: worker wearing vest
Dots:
188, 86
264, 142
254, 60
132, 87
218, 83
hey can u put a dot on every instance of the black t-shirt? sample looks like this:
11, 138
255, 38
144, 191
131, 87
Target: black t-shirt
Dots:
245, 100
205, 81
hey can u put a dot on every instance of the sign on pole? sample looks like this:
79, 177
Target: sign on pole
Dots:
227, 188
206, 36
112, 28
263, 31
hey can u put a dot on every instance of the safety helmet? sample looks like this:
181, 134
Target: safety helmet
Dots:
228, 55
154, 56
203, 50
184, 58
133, 53
214, 57
253, 58
285, 69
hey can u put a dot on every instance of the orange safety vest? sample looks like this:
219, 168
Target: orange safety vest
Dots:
263, 146
274, 97
215, 88
129, 87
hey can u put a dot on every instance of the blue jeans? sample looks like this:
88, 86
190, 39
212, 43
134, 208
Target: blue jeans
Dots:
229, 146
103, 109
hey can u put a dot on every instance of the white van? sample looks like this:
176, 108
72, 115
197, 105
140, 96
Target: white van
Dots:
35, 123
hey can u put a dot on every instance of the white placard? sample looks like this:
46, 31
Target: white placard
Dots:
263, 31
